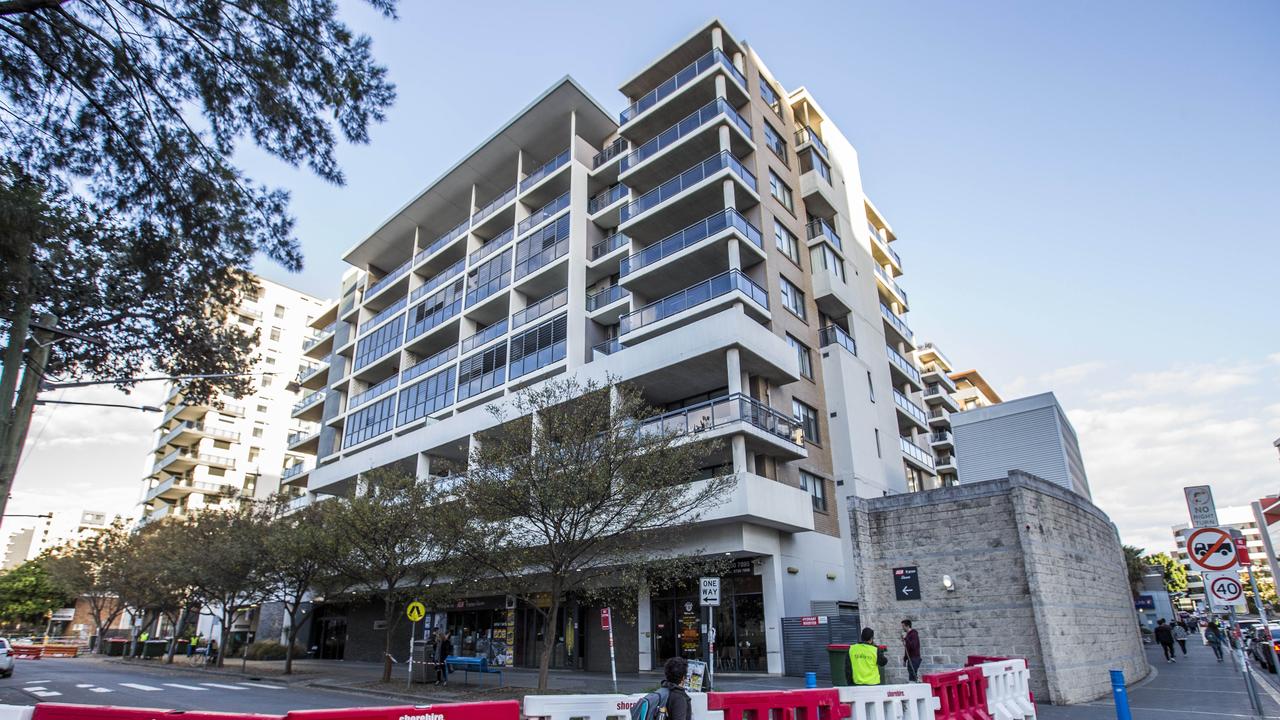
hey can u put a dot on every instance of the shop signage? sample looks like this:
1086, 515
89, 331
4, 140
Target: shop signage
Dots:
1145, 602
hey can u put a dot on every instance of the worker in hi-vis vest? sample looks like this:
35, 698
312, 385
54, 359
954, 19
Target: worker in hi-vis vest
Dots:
865, 660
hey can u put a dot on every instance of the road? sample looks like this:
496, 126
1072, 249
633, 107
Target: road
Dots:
96, 683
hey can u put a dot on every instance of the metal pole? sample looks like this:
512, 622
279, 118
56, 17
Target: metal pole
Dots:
1120, 695
413, 633
613, 665
1244, 665
711, 646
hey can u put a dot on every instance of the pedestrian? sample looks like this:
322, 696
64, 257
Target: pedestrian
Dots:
911, 651
211, 656
1213, 636
1180, 636
191, 646
444, 649
1164, 636
674, 672
866, 659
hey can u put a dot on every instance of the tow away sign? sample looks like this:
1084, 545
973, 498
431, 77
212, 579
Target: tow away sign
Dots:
1211, 549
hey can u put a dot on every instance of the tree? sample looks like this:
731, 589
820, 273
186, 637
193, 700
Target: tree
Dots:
124, 216
222, 549
300, 549
28, 594
393, 539
570, 494
151, 574
1135, 567
89, 568
1175, 573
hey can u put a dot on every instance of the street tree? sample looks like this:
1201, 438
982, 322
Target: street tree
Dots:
300, 549
222, 551
149, 577
90, 568
1135, 567
394, 536
570, 494
28, 594
1174, 572
126, 220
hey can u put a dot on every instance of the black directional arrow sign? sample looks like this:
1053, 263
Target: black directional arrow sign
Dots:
906, 583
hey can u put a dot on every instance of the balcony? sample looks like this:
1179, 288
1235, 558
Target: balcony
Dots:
611, 152
543, 214
934, 373
297, 504
946, 462
676, 260
733, 286
607, 305
819, 230
767, 429
898, 326
542, 258
892, 288
373, 392
694, 136
913, 412
941, 440
607, 199
807, 137
426, 365
187, 458
484, 337
835, 335
673, 98
310, 407
313, 376
445, 240
544, 171
608, 347
816, 187
384, 315
609, 245
902, 370
939, 417
293, 472
760, 501
189, 432
304, 441
320, 345
387, 281
916, 455
704, 177
539, 309
444, 276
176, 488
831, 291
503, 198
936, 394
883, 254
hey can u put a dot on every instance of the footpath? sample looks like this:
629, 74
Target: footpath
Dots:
1196, 687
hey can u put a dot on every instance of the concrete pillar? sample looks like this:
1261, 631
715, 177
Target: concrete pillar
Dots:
722, 87
737, 62
424, 466
738, 445
473, 444
730, 198
771, 580
717, 38
724, 138
644, 621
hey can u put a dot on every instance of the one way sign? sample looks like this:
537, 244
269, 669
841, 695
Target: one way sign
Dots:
906, 583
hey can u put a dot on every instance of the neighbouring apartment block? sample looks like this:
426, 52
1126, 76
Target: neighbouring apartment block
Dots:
213, 454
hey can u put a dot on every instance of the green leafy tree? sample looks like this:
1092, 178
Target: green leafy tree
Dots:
394, 537
299, 556
124, 215
90, 568
1135, 567
1175, 573
570, 494
28, 594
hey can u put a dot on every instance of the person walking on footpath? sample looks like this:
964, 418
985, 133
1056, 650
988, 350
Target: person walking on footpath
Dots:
911, 651
444, 648
1213, 636
674, 672
1164, 636
1180, 637
866, 659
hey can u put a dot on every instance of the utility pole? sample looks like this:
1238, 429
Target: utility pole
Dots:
18, 419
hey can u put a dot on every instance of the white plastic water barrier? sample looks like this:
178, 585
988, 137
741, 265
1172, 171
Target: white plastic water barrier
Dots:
1009, 690
15, 712
598, 707
890, 702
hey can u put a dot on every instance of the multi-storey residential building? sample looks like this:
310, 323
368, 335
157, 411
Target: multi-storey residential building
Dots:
711, 245
973, 391
940, 399
213, 454
1239, 518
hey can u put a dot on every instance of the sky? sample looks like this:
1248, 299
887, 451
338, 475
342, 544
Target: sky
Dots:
1086, 197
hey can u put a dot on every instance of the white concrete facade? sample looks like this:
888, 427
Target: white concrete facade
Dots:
210, 454
712, 245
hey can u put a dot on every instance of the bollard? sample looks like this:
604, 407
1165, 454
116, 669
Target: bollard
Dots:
811, 680
1121, 695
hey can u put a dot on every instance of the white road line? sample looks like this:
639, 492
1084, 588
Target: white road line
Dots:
263, 685
36, 682
100, 690
35, 688
224, 687
180, 686
45, 693
84, 685
140, 686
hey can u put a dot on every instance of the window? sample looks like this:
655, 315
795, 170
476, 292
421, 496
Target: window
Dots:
871, 390
489, 278
216, 471
823, 256
817, 488
770, 96
792, 298
279, 311
222, 444
775, 142
781, 192
271, 360
878, 443
254, 453
538, 347
433, 311
275, 333
808, 419
802, 354
266, 381
262, 408
257, 432
423, 398
370, 421
482, 371
379, 342
787, 242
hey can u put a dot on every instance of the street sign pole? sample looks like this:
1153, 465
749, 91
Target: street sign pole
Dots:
613, 665
413, 632
1244, 664
710, 599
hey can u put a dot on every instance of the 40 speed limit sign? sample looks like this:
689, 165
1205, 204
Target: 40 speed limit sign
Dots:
1223, 590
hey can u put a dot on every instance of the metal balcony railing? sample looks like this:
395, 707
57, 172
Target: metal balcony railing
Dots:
897, 322
880, 273
688, 179
693, 296
505, 197
545, 306
543, 213
924, 457
439, 279
309, 400
911, 408
485, 336
607, 197
493, 245
726, 410
608, 245
835, 335
544, 170
294, 470
439, 243
607, 296
378, 390
384, 315
615, 148
903, 364
807, 134
426, 365
319, 337
695, 233
679, 80
387, 279
698, 118
818, 227
608, 347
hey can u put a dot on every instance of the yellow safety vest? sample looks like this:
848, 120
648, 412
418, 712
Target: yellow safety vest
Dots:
863, 659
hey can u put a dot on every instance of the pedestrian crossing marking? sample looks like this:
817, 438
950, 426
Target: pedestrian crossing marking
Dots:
140, 686
100, 690
36, 682
263, 685
84, 685
224, 687
184, 687
42, 692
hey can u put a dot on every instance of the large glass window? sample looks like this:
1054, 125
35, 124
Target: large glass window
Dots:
678, 622
770, 96
781, 192
489, 278
538, 347
792, 298
803, 356
379, 342
808, 419
482, 371
817, 488
423, 398
823, 256
370, 422
774, 140
436, 309
786, 241
542, 247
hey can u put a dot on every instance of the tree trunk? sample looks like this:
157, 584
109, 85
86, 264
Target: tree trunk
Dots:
291, 637
388, 610
224, 633
20, 421
177, 634
549, 638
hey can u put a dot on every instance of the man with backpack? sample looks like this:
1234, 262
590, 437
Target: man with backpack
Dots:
866, 659
669, 702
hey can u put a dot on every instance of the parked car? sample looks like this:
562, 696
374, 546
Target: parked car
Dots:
1265, 646
6, 658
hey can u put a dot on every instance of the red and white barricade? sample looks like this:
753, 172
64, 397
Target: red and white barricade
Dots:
890, 702
1009, 689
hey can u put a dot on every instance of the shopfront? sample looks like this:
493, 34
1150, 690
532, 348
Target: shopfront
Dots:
679, 622
481, 627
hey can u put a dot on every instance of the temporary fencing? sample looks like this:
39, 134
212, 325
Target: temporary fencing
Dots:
961, 694
779, 705
15, 712
890, 702
1008, 689
27, 652
63, 711
497, 710
600, 707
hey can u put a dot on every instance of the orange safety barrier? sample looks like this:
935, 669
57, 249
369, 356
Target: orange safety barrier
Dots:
962, 694
62, 651
790, 704
496, 710
62, 711
29, 652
